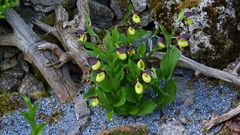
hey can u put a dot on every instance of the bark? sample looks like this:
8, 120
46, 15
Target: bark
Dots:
27, 41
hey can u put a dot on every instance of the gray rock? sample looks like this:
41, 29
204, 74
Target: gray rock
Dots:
119, 7
104, 2
8, 63
43, 5
140, 5
173, 127
81, 108
10, 80
32, 87
145, 19
22, 63
101, 16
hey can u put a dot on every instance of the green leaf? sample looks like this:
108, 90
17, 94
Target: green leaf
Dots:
169, 62
105, 85
39, 129
115, 36
141, 49
147, 107
107, 41
131, 94
133, 110
181, 15
122, 98
90, 93
139, 34
133, 68
109, 115
118, 77
171, 90
166, 34
27, 101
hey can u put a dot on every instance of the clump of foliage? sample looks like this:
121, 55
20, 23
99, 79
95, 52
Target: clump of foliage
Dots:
36, 129
124, 82
5, 4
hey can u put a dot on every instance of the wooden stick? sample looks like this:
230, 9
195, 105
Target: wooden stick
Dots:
202, 69
219, 119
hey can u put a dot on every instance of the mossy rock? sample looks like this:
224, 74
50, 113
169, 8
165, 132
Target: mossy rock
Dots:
9, 102
138, 129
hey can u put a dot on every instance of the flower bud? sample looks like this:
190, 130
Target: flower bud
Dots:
94, 62
138, 88
136, 18
131, 50
121, 53
146, 77
83, 38
182, 43
161, 43
189, 21
188, 14
183, 40
100, 76
95, 102
131, 31
141, 64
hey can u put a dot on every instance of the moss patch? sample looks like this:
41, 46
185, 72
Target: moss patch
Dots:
7, 104
188, 4
225, 46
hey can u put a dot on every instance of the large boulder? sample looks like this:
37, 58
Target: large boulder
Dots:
101, 16
214, 36
43, 5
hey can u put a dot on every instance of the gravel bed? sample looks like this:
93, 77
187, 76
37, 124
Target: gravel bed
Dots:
196, 101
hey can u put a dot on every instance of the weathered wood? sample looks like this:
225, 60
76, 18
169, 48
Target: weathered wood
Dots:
202, 69
64, 30
27, 41
219, 119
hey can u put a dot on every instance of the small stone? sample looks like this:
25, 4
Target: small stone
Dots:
183, 120
8, 63
81, 108
32, 87
172, 128
139, 5
10, 80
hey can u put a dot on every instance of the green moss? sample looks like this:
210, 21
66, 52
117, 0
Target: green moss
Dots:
188, 4
6, 105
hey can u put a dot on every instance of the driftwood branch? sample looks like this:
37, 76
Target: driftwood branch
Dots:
202, 69
27, 41
219, 119
64, 31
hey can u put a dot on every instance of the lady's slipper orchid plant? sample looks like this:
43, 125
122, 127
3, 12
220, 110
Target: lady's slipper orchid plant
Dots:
128, 84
